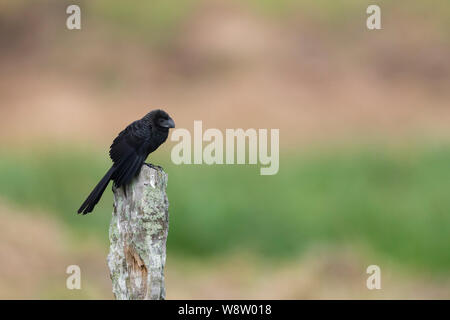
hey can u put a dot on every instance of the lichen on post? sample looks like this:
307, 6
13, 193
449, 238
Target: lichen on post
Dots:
138, 234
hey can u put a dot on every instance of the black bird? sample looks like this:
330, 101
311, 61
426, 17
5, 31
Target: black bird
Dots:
129, 151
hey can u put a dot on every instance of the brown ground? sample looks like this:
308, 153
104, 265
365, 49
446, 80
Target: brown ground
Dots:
231, 68
35, 252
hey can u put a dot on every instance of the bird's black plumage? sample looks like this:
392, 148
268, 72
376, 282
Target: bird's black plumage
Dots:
129, 151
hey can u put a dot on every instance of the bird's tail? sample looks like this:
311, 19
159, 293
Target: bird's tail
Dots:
89, 204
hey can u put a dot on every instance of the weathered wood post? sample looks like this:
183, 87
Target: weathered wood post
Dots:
138, 234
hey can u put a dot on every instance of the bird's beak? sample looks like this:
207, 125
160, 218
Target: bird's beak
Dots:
169, 123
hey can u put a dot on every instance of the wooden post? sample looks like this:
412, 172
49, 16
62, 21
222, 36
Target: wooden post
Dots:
138, 234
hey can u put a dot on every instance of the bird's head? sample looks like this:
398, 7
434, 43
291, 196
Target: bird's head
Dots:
162, 120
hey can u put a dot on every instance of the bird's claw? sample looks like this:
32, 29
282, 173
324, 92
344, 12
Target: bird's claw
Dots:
155, 167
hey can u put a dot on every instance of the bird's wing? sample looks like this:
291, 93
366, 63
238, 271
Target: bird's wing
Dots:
128, 141
127, 152
128, 169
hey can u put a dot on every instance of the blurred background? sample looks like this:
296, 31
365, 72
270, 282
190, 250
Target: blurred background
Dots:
364, 131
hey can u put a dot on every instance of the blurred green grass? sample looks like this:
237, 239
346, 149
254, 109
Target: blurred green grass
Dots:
394, 200
158, 21
154, 22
